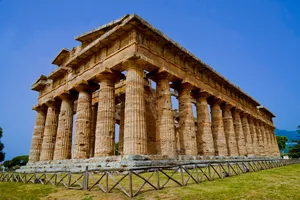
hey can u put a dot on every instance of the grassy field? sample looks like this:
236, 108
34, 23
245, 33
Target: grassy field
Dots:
277, 183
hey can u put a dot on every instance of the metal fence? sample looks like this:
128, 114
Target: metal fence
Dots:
133, 181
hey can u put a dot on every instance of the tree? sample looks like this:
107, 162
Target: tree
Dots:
117, 148
2, 154
294, 151
16, 162
281, 140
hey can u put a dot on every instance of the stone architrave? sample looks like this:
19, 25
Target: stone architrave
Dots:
93, 130
247, 135
165, 132
205, 141
253, 136
121, 128
239, 135
229, 131
105, 130
218, 129
38, 133
63, 144
81, 148
135, 132
188, 143
50, 131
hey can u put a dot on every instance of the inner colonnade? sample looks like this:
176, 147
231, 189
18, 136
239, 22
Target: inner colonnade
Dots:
106, 80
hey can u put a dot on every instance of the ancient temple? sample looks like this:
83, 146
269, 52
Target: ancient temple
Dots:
108, 80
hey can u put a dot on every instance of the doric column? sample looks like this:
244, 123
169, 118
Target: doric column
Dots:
81, 146
50, 131
229, 131
121, 129
264, 139
276, 148
187, 127
239, 135
105, 130
38, 133
135, 134
259, 138
247, 136
205, 141
165, 132
93, 130
218, 129
63, 142
269, 142
253, 136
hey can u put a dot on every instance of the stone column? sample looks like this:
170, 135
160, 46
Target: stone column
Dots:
135, 133
239, 135
205, 141
276, 148
269, 142
105, 130
38, 133
253, 136
229, 131
165, 132
93, 130
121, 128
186, 121
81, 146
50, 131
218, 129
247, 136
63, 143
264, 139
259, 138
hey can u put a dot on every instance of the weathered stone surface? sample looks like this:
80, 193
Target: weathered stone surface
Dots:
229, 131
83, 124
105, 130
240, 140
50, 131
187, 132
165, 135
259, 138
135, 130
264, 139
253, 136
121, 129
205, 142
218, 129
63, 142
247, 135
93, 130
38, 134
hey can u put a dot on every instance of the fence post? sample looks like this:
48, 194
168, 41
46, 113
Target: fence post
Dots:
85, 183
69, 179
130, 184
157, 179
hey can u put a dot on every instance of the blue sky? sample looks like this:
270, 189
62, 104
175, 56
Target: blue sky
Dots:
253, 43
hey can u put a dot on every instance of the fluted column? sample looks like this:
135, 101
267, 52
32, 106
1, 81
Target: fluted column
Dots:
105, 131
239, 135
247, 136
186, 121
205, 141
63, 142
81, 148
229, 131
269, 142
218, 129
253, 136
50, 131
38, 134
135, 134
259, 138
93, 130
276, 148
264, 139
165, 132
121, 129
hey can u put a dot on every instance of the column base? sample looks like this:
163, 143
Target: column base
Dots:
120, 163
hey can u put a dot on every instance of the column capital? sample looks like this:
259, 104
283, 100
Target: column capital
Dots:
109, 74
133, 63
227, 106
237, 110
217, 100
52, 103
39, 108
65, 95
201, 94
245, 114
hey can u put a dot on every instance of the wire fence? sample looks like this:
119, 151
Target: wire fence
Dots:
133, 181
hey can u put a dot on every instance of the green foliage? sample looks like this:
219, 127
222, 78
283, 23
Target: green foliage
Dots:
16, 162
294, 151
281, 140
117, 148
2, 154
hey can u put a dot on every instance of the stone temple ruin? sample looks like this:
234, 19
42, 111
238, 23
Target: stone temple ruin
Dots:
106, 80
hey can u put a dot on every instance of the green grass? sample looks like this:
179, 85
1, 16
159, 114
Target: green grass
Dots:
277, 183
